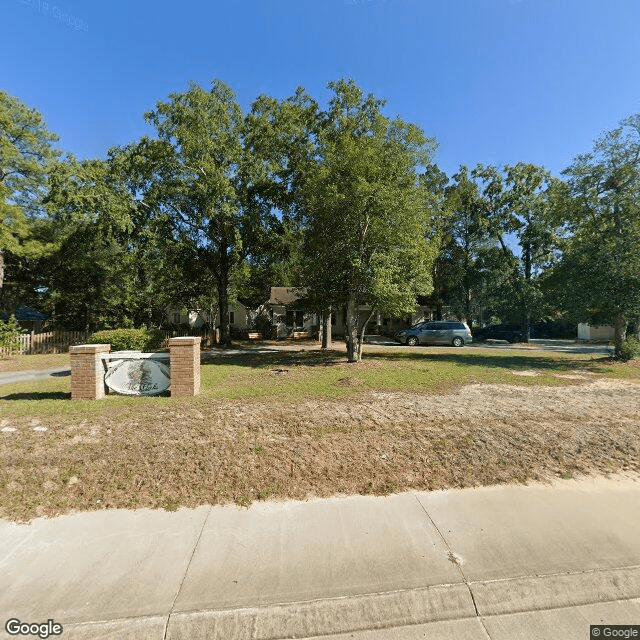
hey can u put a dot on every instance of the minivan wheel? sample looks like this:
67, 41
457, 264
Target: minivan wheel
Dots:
412, 341
457, 342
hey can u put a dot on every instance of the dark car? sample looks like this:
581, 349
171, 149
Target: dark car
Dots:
435, 332
508, 332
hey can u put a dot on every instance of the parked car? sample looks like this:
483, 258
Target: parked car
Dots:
435, 332
508, 332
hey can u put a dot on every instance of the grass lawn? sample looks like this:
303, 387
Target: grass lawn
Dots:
291, 424
22, 363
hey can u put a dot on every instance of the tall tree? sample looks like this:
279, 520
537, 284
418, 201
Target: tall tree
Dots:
602, 262
27, 155
365, 213
467, 238
519, 205
199, 177
97, 277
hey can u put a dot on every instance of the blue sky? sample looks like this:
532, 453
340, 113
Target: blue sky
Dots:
494, 81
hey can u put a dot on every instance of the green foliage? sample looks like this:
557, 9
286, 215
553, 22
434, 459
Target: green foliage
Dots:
363, 211
26, 158
9, 331
519, 201
263, 324
630, 349
142, 339
600, 267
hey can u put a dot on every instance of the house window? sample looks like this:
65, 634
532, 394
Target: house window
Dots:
289, 318
232, 317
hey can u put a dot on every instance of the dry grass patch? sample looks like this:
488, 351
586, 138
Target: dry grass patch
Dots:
306, 423
204, 450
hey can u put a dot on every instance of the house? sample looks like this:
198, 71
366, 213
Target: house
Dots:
239, 316
381, 324
28, 318
289, 316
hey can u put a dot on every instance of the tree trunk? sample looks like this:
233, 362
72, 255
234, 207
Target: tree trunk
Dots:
326, 328
223, 298
362, 331
620, 333
527, 325
351, 330
1, 279
223, 293
637, 331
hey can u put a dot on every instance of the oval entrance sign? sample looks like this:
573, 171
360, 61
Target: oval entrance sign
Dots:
140, 377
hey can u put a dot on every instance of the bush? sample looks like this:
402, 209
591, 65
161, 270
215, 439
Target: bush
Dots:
630, 349
142, 339
9, 331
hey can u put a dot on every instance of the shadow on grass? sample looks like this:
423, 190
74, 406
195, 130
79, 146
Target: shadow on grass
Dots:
38, 395
279, 359
499, 360
513, 361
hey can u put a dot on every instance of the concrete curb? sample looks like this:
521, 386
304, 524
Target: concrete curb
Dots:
513, 595
329, 616
409, 608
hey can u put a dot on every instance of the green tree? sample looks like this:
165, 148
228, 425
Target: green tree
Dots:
466, 242
202, 182
518, 204
601, 263
365, 213
26, 158
111, 268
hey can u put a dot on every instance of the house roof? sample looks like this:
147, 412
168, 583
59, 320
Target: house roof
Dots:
26, 314
285, 295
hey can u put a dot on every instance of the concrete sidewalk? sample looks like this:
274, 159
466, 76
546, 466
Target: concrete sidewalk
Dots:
533, 562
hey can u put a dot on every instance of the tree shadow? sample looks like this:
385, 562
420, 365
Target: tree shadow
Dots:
308, 358
38, 395
517, 361
513, 361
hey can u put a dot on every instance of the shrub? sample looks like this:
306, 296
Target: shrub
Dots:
142, 339
630, 349
9, 331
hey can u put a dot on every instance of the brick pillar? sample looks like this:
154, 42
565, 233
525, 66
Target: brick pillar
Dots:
87, 371
185, 366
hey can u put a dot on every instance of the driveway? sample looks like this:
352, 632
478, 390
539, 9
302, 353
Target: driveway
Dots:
12, 377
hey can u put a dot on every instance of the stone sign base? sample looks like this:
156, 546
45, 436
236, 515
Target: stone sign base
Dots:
88, 370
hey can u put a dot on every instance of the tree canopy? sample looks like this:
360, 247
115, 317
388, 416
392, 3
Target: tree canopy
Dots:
27, 156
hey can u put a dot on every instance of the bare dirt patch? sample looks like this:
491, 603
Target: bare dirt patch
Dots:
216, 451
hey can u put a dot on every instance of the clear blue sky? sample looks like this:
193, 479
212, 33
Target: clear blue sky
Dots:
495, 81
